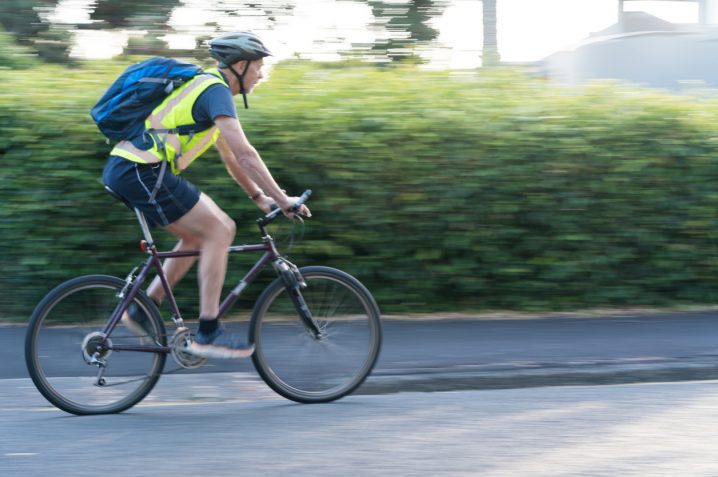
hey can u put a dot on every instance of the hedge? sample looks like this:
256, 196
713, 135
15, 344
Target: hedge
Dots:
441, 191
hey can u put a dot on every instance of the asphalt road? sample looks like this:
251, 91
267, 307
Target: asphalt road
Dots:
466, 353
222, 420
665, 429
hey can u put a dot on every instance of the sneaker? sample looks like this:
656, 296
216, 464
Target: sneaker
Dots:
138, 323
219, 344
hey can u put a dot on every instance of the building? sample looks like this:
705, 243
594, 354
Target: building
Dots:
641, 48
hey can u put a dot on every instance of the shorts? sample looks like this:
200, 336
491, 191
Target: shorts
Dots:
135, 183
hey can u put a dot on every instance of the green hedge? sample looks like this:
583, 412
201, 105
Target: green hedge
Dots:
440, 191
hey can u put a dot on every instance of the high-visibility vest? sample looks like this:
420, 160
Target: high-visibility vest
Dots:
176, 110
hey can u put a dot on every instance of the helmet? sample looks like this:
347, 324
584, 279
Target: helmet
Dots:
233, 47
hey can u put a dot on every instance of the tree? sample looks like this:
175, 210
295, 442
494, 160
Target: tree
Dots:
14, 55
407, 26
139, 14
150, 16
490, 54
22, 17
26, 21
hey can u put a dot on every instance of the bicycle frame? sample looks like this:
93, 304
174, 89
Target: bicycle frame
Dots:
154, 261
341, 301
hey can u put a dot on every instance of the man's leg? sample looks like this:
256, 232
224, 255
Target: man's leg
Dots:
208, 228
174, 268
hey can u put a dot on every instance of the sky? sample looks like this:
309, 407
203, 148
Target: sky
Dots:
528, 30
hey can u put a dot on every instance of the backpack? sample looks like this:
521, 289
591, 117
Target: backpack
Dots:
122, 110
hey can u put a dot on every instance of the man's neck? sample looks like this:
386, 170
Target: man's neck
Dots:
230, 79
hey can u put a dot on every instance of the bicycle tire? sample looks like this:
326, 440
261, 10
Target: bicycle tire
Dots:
59, 330
295, 364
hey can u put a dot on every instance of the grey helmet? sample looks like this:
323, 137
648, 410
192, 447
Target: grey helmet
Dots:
233, 47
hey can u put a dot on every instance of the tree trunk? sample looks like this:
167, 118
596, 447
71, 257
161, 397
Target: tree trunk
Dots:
490, 54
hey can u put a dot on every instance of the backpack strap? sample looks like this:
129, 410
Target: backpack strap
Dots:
158, 184
182, 130
160, 142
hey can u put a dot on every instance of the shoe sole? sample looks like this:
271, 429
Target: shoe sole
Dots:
209, 351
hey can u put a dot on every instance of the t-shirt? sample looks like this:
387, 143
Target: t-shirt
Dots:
214, 101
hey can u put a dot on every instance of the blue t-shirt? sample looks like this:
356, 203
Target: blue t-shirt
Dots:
214, 101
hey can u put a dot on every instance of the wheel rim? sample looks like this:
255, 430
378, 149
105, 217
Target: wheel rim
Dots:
60, 345
300, 366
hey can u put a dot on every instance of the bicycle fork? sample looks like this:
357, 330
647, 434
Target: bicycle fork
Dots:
294, 282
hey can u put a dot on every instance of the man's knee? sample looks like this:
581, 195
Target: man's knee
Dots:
232, 229
190, 242
226, 230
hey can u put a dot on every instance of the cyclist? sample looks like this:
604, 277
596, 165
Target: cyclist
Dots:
134, 170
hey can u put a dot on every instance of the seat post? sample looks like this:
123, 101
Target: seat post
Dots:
144, 226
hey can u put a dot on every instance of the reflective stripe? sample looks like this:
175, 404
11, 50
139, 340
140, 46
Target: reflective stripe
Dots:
175, 110
156, 122
128, 150
156, 118
149, 156
186, 158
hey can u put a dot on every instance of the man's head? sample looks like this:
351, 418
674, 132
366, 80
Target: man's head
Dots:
242, 53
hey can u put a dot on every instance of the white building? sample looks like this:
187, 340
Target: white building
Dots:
644, 49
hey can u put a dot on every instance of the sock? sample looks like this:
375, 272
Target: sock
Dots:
208, 325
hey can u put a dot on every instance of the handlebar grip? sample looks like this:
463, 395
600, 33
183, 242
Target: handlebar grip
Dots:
302, 199
276, 211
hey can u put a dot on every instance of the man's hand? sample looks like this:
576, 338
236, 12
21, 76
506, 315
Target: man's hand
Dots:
265, 204
289, 203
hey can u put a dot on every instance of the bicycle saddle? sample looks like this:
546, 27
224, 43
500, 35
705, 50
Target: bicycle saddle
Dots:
117, 196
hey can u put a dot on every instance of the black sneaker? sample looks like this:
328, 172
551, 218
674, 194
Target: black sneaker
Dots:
219, 344
136, 320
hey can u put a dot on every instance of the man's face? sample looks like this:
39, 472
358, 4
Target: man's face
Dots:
254, 74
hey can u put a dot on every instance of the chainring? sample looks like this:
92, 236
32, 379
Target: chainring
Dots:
180, 341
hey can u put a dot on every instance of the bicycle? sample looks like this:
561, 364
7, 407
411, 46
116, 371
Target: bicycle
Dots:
316, 330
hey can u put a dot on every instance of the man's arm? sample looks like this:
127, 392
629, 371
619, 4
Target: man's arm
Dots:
244, 163
249, 186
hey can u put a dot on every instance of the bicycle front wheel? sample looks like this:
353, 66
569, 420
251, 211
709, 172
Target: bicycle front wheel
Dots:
63, 334
309, 369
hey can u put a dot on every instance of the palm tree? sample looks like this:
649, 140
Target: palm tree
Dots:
490, 54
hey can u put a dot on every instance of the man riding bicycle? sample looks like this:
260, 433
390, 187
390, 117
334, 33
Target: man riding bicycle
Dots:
136, 172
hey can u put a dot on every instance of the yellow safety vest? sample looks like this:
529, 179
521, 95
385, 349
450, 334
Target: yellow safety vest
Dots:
176, 110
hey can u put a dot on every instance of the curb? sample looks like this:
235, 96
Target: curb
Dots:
583, 374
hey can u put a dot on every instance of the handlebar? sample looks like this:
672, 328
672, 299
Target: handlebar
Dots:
276, 212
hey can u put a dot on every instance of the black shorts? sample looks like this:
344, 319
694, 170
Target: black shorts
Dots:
135, 183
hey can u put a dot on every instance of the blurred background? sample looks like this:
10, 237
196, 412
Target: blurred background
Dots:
465, 155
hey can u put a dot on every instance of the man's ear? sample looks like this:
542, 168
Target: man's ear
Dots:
239, 66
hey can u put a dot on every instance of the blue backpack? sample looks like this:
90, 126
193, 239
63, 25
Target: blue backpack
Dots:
122, 110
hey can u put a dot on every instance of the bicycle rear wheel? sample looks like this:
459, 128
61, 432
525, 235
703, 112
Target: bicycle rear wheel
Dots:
306, 369
63, 332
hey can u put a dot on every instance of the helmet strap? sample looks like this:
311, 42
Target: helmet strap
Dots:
240, 77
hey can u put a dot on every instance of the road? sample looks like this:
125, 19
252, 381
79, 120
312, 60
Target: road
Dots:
660, 429
466, 353
495, 421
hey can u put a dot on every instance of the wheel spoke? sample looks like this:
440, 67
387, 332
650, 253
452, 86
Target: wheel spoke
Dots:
305, 368
62, 349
